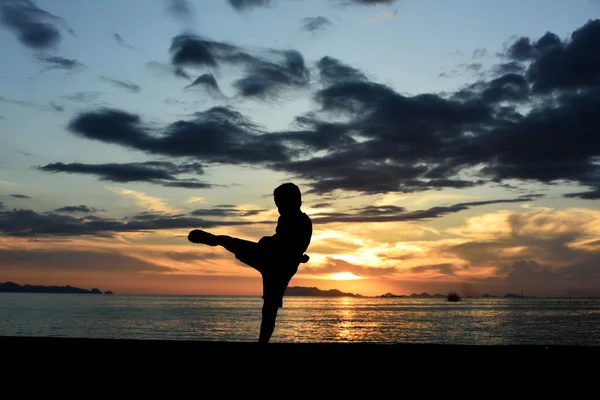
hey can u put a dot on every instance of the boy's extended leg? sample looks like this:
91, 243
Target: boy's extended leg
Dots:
244, 250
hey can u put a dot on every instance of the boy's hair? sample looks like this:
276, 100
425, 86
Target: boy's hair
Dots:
288, 193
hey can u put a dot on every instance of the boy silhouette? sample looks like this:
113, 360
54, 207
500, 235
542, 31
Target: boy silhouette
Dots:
276, 257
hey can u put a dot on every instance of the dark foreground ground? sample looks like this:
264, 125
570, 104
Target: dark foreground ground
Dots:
47, 347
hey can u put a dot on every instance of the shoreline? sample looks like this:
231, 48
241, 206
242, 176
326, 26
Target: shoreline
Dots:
15, 345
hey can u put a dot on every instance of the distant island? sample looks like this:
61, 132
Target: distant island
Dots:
313, 291
11, 287
417, 295
438, 295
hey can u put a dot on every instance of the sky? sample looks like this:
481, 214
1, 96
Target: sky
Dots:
439, 146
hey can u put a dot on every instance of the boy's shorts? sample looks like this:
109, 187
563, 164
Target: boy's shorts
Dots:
276, 274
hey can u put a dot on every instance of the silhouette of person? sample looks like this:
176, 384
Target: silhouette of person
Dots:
276, 257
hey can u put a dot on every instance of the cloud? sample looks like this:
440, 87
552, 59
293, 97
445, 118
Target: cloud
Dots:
119, 39
82, 97
154, 172
246, 4
77, 209
34, 27
333, 265
180, 9
392, 213
127, 85
195, 200
20, 196
76, 261
444, 269
18, 102
28, 223
243, 5
1, 205
145, 201
57, 62
332, 71
226, 211
208, 83
518, 122
265, 76
543, 249
589, 195
56, 107
315, 24
219, 135
479, 53
557, 64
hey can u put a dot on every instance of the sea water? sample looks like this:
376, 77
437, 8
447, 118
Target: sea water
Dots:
489, 321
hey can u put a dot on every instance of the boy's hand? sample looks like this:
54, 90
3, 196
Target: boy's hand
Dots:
304, 258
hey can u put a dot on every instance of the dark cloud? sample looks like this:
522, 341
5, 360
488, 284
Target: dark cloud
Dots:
246, 4
218, 135
511, 67
445, 269
332, 71
180, 9
507, 88
206, 81
589, 195
225, 211
315, 24
121, 41
241, 5
57, 62
395, 214
127, 85
474, 67
155, 172
34, 27
76, 260
82, 97
555, 64
77, 209
28, 223
264, 76
20, 196
523, 122
1, 205
322, 205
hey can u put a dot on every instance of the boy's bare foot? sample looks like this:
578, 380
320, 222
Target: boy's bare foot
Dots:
200, 236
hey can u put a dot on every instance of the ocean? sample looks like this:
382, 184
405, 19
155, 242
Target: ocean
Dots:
489, 321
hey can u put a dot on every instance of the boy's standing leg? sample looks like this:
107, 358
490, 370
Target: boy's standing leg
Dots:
267, 324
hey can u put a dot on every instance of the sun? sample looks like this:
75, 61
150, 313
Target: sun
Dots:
344, 276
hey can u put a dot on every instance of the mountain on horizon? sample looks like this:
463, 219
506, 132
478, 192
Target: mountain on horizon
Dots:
11, 287
313, 291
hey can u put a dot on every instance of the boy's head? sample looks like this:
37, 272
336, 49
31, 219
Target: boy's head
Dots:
287, 197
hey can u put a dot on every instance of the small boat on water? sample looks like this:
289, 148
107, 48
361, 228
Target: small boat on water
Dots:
452, 296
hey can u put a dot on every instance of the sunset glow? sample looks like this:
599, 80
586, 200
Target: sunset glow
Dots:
437, 149
344, 276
